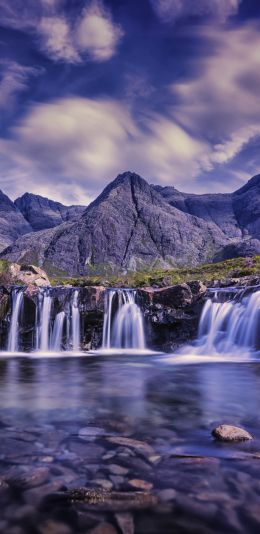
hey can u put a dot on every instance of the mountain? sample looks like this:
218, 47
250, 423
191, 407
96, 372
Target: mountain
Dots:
12, 222
129, 226
42, 213
134, 225
236, 214
216, 208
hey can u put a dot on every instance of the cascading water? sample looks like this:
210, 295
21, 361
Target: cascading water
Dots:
56, 337
43, 316
123, 328
227, 327
75, 321
106, 338
17, 302
50, 328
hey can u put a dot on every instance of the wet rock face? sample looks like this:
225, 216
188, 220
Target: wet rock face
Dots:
172, 314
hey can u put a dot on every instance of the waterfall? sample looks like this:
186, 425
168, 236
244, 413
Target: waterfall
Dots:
75, 321
49, 329
106, 338
43, 313
56, 337
17, 301
229, 326
123, 326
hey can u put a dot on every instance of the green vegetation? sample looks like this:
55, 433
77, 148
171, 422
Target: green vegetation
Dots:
234, 268
4, 266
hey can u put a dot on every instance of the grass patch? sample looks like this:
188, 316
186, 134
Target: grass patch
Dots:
234, 268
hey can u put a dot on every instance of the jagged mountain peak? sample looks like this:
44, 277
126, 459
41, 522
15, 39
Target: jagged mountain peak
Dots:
252, 183
43, 213
126, 181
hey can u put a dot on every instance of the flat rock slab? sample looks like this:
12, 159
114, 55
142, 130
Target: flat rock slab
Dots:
231, 433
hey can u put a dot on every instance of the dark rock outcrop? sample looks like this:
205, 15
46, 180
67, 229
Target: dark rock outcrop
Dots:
42, 213
172, 314
12, 222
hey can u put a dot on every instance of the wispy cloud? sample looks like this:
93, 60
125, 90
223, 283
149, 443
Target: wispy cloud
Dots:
87, 142
218, 10
14, 79
91, 32
222, 102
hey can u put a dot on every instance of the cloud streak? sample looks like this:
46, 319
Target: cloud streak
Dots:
218, 10
222, 102
91, 33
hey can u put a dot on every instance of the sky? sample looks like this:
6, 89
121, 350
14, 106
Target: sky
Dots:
92, 88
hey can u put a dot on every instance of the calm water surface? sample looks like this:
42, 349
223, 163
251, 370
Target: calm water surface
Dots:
45, 403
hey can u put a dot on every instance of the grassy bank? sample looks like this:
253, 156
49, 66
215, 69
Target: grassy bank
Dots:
234, 268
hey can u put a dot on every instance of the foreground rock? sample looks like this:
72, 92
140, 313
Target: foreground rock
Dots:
29, 274
104, 500
231, 433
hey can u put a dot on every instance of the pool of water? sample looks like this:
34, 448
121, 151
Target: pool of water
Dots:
129, 423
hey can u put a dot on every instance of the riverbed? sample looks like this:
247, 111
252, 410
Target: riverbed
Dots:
125, 424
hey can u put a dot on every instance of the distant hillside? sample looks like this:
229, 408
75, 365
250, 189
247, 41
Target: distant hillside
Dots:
42, 213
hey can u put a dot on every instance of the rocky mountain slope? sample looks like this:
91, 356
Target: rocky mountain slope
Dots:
128, 226
134, 225
12, 222
42, 213
237, 214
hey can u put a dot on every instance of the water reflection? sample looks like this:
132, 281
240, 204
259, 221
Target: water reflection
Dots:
186, 400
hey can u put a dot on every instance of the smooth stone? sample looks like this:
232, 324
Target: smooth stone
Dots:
109, 455
125, 522
155, 459
103, 528
117, 480
105, 484
140, 484
231, 433
90, 431
117, 469
54, 527
140, 446
32, 478
35, 495
87, 451
167, 495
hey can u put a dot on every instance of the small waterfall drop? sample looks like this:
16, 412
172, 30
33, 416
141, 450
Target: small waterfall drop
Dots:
229, 326
56, 337
106, 338
43, 317
17, 302
123, 326
75, 321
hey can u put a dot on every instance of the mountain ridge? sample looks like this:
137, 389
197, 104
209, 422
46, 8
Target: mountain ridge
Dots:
134, 225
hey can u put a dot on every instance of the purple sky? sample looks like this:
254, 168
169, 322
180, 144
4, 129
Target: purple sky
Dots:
166, 88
